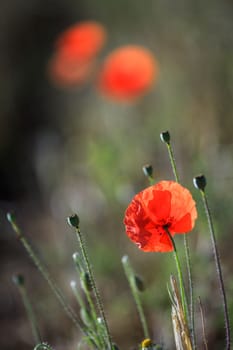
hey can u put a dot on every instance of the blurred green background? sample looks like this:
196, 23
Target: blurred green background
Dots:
71, 150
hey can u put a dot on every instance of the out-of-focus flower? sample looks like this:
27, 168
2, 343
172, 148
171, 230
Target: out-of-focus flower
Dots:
127, 73
161, 207
82, 41
76, 50
69, 72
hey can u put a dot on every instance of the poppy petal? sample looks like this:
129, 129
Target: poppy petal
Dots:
160, 205
165, 204
183, 225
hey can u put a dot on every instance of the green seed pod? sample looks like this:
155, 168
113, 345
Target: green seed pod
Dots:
73, 221
139, 283
86, 282
200, 182
148, 170
77, 258
10, 217
18, 280
86, 317
165, 137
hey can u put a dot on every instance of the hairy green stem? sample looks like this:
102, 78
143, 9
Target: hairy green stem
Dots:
203, 324
30, 313
173, 162
218, 269
94, 287
56, 290
187, 254
131, 279
180, 275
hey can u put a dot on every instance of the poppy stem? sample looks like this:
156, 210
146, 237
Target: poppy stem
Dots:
94, 287
56, 290
186, 245
203, 324
191, 301
19, 281
180, 275
218, 268
134, 289
173, 162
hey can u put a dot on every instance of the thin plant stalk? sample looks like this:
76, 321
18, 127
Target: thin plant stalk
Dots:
19, 281
77, 295
131, 279
203, 324
187, 251
56, 290
87, 290
180, 275
218, 269
93, 284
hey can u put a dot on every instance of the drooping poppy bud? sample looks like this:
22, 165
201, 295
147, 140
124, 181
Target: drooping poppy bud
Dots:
165, 137
200, 182
73, 220
148, 170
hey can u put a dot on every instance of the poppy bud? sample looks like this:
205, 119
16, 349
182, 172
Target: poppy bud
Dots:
165, 136
99, 320
73, 221
200, 182
125, 259
18, 280
86, 317
10, 217
77, 259
12, 220
148, 170
139, 283
73, 284
86, 282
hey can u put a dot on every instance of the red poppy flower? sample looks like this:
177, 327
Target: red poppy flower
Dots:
127, 73
164, 206
68, 72
82, 41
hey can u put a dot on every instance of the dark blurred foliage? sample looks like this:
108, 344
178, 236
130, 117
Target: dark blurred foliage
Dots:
27, 34
65, 150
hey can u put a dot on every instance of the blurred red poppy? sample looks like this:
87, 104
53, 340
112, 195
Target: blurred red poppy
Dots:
82, 41
164, 206
128, 72
69, 72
